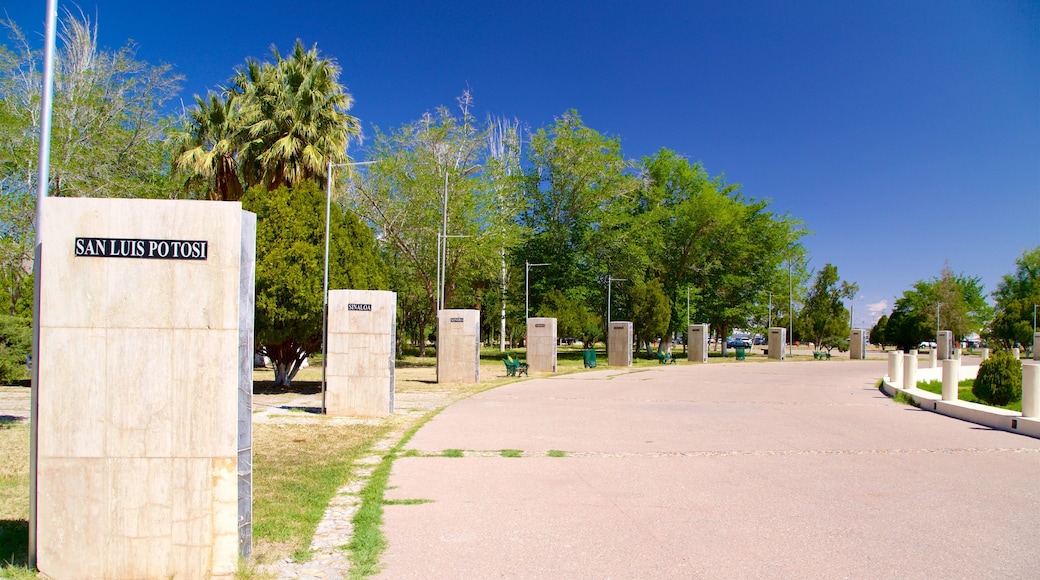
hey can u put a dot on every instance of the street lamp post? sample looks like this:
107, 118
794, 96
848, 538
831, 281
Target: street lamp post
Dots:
937, 306
687, 307
610, 280
442, 238
852, 307
527, 276
790, 308
325, 279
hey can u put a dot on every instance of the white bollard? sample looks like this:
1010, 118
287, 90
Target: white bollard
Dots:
1015, 353
1030, 390
933, 359
985, 353
909, 371
895, 368
957, 353
951, 370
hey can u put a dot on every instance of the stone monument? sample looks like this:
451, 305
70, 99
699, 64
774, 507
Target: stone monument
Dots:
697, 350
142, 411
858, 344
458, 346
944, 346
777, 343
1036, 343
541, 345
619, 344
360, 369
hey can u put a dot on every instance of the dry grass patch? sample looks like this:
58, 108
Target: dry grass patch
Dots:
14, 494
296, 471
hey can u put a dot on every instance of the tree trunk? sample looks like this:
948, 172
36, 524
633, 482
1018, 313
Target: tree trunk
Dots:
281, 374
666, 343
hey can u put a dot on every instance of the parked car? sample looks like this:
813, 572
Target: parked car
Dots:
738, 340
759, 339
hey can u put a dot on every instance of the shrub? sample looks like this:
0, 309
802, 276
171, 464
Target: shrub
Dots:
15, 345
999, 381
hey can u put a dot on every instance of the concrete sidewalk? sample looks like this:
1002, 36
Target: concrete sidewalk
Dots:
769, 470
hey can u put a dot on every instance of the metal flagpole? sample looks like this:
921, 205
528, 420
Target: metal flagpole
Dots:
42, 179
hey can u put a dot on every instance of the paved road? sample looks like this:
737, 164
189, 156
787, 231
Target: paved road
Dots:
767, 470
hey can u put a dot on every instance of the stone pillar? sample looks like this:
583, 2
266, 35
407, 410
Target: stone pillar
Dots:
951, 370
858, 344
541, 345
619, 344
143, 415
1031, 390
458, 346
777, 343
1036, 343
697, 350
984, 353
360, 367
910, 371
933, 361
944, 344
895, 368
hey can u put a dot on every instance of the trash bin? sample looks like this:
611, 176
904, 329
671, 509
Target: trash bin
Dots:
590, 358
740, 353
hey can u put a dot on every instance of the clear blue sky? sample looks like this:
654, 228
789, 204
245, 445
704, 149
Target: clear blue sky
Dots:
903, 133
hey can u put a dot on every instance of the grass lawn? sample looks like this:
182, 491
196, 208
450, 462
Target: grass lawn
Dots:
964, 393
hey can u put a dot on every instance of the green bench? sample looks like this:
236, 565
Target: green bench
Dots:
821, 355
665, 358
514, 367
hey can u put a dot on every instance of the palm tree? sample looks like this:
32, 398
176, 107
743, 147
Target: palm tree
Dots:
294, 118
277, 124
207, 149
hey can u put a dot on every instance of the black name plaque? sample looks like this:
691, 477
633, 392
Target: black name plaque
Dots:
144, 249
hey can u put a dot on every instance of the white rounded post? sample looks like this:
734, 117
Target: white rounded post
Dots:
951, 370
1015, 352
895, 368
985, 353
1030, 390
933, 359
910, 371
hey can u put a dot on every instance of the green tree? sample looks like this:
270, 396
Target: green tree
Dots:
106, 140
957, 300
573, 318
107, 129
1017, 295
963, 307
824, 318
908, 325
878, 334
575, 189
651, 312
403, 197
289, 269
